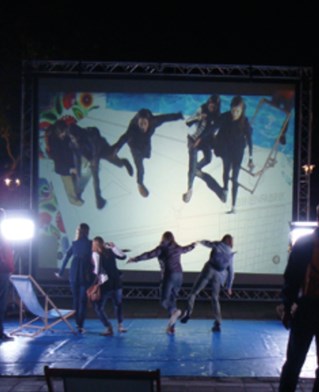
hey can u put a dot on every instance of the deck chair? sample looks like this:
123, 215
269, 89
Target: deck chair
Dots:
46, 316
88, 380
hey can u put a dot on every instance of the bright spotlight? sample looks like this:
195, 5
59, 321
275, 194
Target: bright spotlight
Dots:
17, 226
299, 229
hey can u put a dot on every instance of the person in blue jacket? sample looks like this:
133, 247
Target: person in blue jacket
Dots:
219, 271
81, 272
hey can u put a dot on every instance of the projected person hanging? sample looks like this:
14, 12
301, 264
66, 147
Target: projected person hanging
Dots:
235, 133
59, 150
85, 144
201, 140
138, 137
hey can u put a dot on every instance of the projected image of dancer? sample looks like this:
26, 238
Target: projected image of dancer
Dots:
58, 148
201, 140
235, 133
87, 144
219, 272
138, 137
104, 259
169, 254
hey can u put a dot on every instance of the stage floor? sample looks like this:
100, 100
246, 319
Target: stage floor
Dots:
243, 349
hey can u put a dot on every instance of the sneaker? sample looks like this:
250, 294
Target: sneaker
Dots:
81, 330
6, 338
143, 190
76, 201
187, 196
175, 315
231, 211
216, 327
128, 167
100, 203
223, 196
170, 330
121, 329
185, 317
107, 332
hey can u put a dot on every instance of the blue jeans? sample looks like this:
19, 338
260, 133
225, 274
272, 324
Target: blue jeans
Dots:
193, 164
99, 306
138, 158
79, 302
170, 287
216, 278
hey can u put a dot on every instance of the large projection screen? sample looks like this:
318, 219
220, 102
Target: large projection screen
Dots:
261, 223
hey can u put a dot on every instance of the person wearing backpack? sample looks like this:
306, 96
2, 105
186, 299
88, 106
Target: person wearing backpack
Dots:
219, 271
300, 295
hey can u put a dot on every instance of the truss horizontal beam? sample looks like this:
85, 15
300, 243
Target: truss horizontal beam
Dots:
153, 293
94, 68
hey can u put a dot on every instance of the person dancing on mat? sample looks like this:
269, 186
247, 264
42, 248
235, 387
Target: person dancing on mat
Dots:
81, 272
219, 271
169, 254
104, 258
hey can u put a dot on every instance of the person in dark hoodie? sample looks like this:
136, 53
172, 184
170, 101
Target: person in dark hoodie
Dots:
81, 272
138, 137
234, 134
201, 140
83, 145
169, 254
104, 257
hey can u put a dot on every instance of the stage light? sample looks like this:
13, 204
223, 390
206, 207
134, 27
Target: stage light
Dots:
9, 182
17, 226
299, 229
308, 169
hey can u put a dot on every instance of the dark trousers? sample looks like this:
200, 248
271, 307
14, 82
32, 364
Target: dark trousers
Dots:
170, 288
138, 158
99, 306
4, 287
193, 164
232, 163
79, 302
305, 326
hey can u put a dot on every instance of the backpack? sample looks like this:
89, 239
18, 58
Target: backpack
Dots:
220, 258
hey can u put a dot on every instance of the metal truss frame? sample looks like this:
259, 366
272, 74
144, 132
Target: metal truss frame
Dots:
301, 76
152, 292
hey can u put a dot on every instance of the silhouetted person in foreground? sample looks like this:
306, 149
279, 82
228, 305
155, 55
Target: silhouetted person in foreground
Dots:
301, 308
6, 269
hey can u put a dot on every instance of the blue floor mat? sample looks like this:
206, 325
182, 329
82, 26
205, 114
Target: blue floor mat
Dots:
244, 348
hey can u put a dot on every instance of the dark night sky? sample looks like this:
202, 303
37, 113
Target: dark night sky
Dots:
266, 33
